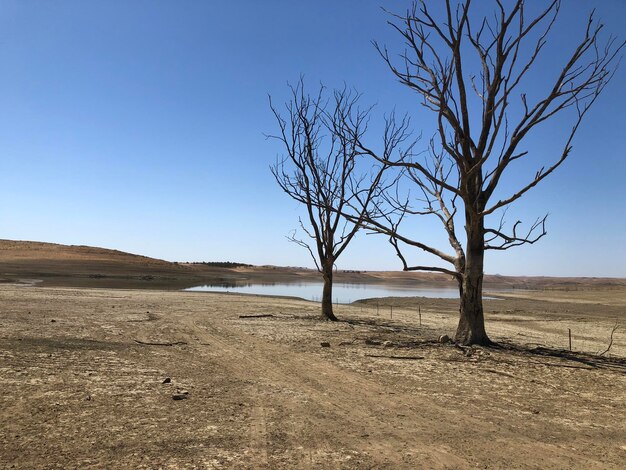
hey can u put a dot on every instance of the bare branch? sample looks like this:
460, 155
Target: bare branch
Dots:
321, 137
610, 340
515, 239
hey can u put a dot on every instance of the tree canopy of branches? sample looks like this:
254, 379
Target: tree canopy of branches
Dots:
319, 170
482, 120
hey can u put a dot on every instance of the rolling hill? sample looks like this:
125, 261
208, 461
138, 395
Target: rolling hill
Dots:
86, 266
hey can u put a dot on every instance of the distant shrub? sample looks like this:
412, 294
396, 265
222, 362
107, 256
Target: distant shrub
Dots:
223, 264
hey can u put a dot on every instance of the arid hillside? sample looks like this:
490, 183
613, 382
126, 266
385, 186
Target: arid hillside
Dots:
53, 264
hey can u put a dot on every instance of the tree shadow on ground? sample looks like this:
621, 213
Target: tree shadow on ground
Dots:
386, 325
578, 360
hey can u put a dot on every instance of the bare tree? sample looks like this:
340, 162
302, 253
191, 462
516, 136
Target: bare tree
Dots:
482, 118
319, 170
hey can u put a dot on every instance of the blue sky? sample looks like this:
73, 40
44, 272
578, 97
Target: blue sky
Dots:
139, 125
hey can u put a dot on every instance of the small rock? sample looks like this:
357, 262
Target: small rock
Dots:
444, 339
387, 344
372, 342
180, 396
167, 380
325, 344
88, 398
53, 321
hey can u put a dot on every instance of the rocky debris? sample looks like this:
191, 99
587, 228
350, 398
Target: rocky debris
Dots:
388, 344
372, 342
180, 395
325, 344
167, 380
443, 339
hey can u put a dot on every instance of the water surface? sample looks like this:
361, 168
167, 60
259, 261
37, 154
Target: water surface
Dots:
343, 293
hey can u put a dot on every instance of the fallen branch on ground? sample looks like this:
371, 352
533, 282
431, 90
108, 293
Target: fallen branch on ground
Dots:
148, 343
408, 358
264, 315
551, 364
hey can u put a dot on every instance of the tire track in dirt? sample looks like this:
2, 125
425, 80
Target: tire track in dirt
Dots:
358, 420
258, 435
280, 367
383, 427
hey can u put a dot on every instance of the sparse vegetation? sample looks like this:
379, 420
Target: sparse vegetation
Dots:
222, 264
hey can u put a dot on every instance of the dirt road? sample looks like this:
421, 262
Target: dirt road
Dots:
82, 375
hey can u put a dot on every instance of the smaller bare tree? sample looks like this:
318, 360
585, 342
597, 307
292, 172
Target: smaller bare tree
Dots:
319, 171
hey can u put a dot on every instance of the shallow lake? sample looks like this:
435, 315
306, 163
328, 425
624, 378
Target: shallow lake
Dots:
342, 293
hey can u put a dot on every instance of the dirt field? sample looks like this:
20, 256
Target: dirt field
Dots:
82, 374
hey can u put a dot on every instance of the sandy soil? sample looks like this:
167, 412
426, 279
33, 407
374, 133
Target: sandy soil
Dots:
82, 374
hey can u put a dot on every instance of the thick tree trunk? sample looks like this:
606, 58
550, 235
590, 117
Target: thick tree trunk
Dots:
327, 294
471, 328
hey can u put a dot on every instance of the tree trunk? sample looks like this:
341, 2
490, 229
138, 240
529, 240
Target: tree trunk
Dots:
471, 328
327, 294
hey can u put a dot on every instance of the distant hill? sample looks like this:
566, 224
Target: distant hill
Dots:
14, 251
85, 266
78, 265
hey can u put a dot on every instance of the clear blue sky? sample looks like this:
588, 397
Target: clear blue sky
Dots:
139, 125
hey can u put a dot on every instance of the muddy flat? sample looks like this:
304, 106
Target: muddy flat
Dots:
258, 382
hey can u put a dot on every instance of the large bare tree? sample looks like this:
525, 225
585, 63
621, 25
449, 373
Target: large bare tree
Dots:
471, 72
319, 170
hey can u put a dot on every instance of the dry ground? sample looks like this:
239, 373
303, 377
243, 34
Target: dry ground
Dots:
82, 371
